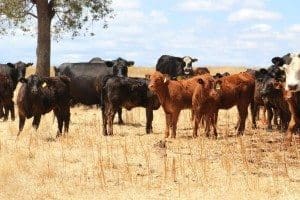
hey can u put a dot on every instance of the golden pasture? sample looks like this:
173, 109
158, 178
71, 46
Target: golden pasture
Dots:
132, 165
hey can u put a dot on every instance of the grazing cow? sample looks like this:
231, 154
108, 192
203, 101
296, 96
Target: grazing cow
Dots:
6, 95
219, 75
84, 79
205, 105
15, 72
173, 96
291, 65
236, 90
38, 96
96, 60
201, 71
127, 92
175, 66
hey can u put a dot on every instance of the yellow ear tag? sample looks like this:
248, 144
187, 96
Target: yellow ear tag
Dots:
44, 84
218, 86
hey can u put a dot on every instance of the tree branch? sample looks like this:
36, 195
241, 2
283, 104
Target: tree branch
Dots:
33, 15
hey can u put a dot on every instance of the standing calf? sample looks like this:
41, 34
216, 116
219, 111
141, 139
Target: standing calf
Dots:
6, 95
127, 92
38, 96
173, 96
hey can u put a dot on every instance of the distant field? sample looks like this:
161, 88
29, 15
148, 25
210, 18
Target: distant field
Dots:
131, 165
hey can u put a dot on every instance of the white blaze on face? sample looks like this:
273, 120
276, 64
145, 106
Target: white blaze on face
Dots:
188, 64
292, 71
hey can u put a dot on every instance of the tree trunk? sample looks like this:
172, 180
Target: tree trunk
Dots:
43, 50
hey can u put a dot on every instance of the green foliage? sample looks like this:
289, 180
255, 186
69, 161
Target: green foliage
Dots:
69, 16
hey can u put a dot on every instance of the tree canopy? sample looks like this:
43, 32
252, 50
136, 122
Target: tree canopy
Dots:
53, 17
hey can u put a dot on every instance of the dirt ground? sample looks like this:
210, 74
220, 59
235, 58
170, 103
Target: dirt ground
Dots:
133, 165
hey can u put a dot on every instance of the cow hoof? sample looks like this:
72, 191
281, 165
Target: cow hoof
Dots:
5, 119
121, 123
13, 119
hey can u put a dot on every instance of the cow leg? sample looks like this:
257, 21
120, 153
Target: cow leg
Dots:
11, 109
60, 119
214, 125
6, 112
243, 112
120, 122
196, 118
149, 119
21, 123
36, 121
254, 110
276, 115
1, 111
207, 125
270, 117
104, 120
67, 119
168, 123
111, 115
174, 123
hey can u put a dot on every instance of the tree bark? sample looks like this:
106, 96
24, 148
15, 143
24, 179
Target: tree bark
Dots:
43, 50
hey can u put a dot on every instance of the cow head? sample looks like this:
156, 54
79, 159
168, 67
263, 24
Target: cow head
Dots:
188, 61
120, 66
291, 65
21, 69
34, 84
158, 80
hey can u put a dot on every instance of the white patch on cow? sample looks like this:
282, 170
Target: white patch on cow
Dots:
292, 71
188, 64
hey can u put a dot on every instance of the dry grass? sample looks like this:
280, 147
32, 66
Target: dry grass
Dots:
131, 165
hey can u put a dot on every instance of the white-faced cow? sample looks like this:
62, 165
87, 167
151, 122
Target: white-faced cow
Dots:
175, 66
291, 65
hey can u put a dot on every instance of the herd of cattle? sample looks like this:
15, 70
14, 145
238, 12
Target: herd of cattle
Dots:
174, 85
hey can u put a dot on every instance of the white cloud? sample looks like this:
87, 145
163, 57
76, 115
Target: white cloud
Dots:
253, 14
196, 5
294, 28
159, 17
259, 28
126, 5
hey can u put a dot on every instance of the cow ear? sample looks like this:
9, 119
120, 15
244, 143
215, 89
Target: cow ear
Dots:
130, 63
194, 59
277, 61
10, 65
109, 63
23, 80
28, 64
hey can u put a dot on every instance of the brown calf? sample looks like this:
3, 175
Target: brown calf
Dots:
173, 96
205, 105
234, 90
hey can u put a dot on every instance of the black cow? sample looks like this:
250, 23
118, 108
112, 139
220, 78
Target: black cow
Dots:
38, 96
83, 86
6, 95
273, 95
175, 66
15, 72
127, 92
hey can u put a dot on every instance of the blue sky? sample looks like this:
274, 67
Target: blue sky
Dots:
217, 32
